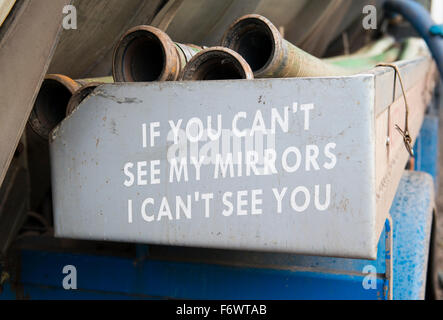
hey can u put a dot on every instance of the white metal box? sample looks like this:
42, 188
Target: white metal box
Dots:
301, 165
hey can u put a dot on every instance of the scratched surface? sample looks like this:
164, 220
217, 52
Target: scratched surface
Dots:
90, 148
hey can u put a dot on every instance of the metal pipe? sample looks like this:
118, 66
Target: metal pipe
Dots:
80, 95
217, 63
52, 101
146, 53
256, 39
422, 22
50, 105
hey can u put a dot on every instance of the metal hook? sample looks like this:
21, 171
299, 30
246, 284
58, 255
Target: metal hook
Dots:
405, 133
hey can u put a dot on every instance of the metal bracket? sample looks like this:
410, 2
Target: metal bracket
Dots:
405, 133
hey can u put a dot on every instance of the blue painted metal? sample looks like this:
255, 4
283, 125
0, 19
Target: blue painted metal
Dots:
426, 147
276, 275
421, 21
162, 279
50, 293
290, 277
307, 278
389, 281
412, 218
102, 277
436, 30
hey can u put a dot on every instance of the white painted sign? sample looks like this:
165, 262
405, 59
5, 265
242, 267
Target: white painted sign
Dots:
205, 149
282, 165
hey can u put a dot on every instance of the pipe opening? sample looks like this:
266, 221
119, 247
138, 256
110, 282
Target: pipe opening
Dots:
216, 65
218, 69
79, 96
50, 106
144, 58
253, 40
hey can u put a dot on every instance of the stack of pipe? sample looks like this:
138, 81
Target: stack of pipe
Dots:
146, 53
252, 47
251, 43
58, 96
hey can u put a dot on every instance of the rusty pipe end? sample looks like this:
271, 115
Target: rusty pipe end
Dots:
217, 63
80, 95
145, 53
257, 40
50, 105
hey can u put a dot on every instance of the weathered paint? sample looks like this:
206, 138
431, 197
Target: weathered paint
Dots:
41, 277
412, 213
426, 146
225, 274
90, 148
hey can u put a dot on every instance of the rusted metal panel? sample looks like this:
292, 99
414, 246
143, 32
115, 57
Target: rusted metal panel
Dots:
100, 153
27, 42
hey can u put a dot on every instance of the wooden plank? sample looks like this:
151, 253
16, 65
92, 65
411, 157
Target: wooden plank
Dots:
5, 8
26, 48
